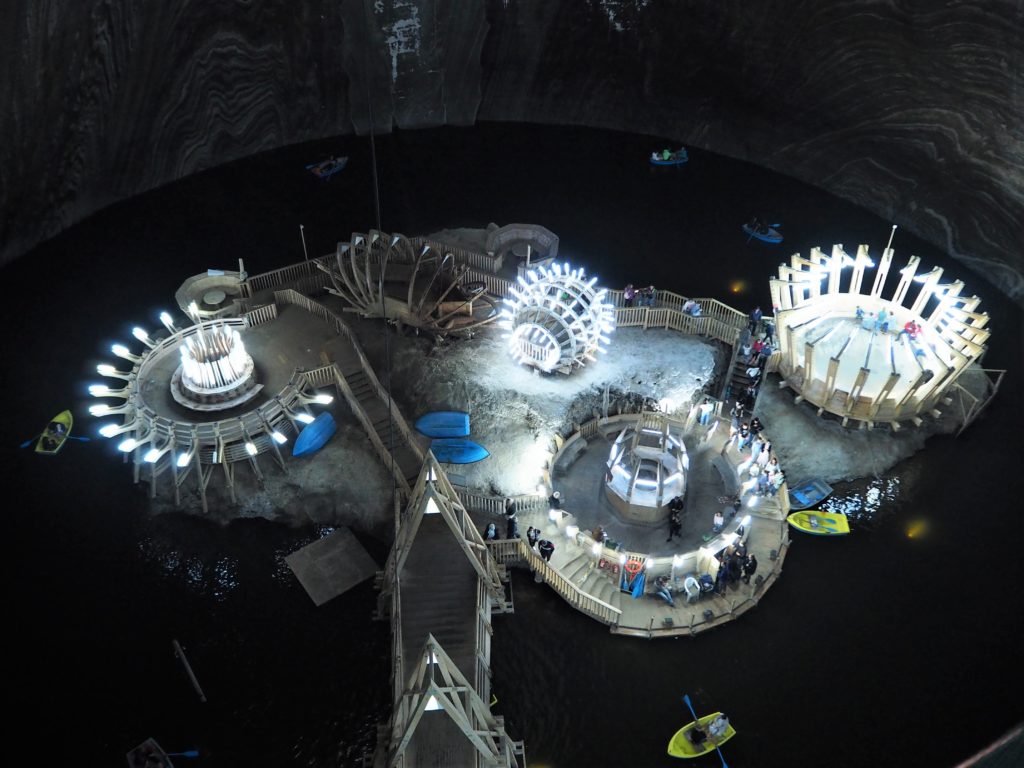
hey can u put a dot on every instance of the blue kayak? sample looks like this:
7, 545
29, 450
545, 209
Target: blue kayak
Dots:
770, 236
674, 158
455, 451
315, 435
443, 424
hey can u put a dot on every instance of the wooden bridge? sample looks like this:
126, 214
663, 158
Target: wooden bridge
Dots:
439, 589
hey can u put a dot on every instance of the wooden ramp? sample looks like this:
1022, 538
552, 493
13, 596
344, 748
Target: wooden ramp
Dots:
390, 434
331, 566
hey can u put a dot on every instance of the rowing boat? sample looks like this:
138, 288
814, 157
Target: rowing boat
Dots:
55, 434
315, 435
820, 523
681, 746
455, 451
443, 424
327, 168
808, 493
770, 235
674, 158
149, 754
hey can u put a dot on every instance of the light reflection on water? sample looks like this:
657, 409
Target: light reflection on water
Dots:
217, 579
867, 502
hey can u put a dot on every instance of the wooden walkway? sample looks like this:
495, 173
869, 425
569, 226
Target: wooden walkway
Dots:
440, 587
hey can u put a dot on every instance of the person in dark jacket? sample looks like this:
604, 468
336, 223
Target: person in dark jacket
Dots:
546, 549
749, 567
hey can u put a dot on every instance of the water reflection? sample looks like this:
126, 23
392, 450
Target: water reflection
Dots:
867, 502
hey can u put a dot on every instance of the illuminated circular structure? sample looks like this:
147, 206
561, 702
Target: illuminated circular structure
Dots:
557, 319
866, 356
216, 373
647, 468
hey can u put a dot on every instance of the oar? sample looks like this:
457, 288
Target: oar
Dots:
686, 698
189, 753
31, 440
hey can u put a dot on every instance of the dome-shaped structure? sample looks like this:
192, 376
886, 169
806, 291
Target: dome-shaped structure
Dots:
647, 468
865, 356
557, 318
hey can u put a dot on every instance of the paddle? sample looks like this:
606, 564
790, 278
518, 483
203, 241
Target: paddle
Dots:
31, 440
189, 753
686, 698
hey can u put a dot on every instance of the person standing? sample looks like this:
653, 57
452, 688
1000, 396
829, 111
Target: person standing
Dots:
511, 527
705, 410
532, 536
736, 416
675, 525
628, 295
755, 320
555, 500
749, 567
546, 549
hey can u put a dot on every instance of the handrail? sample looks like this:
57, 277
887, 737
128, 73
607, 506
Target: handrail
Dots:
570, 592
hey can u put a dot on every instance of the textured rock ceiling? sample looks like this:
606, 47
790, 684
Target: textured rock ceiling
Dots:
912, 109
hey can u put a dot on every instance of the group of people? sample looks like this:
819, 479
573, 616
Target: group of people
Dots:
716, 729
762, 466
544, 547
638, 297
735, 564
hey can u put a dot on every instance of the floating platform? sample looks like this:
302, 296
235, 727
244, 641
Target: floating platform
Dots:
331, 566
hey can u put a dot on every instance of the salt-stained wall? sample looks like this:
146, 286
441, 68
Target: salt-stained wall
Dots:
910, 109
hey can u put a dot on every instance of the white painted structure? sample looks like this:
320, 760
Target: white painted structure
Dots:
557, 318
845, 349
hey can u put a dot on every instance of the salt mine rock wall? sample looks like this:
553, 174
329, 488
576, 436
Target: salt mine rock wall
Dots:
908, 108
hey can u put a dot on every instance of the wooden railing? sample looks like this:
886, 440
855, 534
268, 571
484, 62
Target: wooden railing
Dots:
261, 315
495, 505
517, 550
286, 277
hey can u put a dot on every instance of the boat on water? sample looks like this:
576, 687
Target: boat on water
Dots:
457, 451
315, 435
820, 523
665, 157
808, 493
443, 424
762, 232
327, 168
56, 434
681, 744
149, 754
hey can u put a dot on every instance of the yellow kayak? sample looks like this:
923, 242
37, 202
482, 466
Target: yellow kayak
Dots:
55, 434
682, 746
820, 523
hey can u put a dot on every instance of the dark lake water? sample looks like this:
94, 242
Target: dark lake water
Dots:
910, 639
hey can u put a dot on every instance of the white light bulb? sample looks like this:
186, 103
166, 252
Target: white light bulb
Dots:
250, 448
278, 437
127, 446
